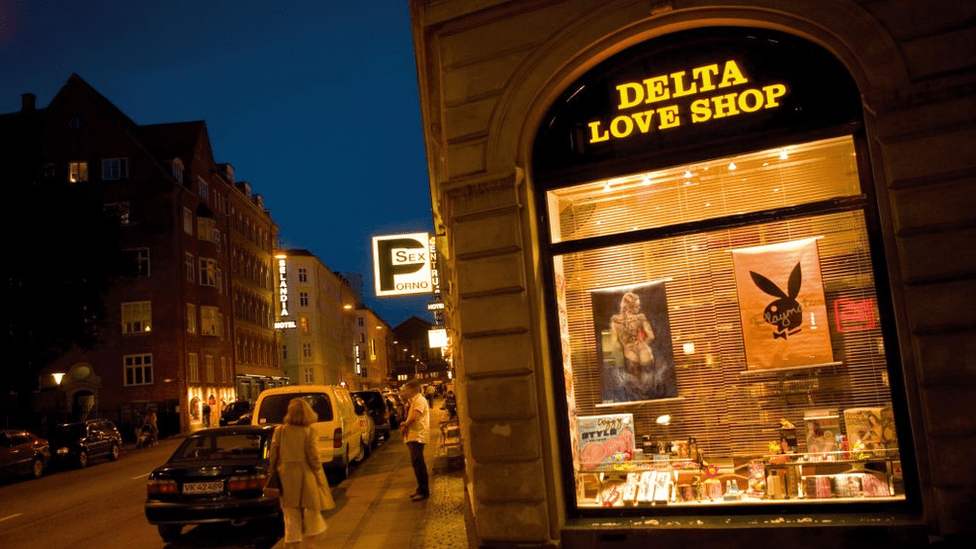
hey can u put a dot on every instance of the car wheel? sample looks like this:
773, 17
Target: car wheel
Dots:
169, 532
37, 468
82, 459
114, 452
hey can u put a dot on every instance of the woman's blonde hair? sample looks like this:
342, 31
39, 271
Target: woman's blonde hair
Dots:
300, 413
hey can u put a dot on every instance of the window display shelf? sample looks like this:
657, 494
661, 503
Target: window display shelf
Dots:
797, 478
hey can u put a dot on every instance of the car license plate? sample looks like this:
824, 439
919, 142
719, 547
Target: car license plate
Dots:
215, 487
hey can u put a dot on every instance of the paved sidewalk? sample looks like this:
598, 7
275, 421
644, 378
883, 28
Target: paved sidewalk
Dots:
373, 507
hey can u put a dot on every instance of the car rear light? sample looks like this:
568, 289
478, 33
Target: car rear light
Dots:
246, 482
337, 438
161, 487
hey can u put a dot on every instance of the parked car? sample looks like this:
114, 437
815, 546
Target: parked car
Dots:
339, 434
78, 443
366, 422
237, 413
215, 475
378, 410
396, 407
22, 453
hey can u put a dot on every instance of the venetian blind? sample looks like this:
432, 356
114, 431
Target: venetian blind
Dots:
729, 409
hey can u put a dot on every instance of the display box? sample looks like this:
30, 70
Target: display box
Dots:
823, 431
606, 439
874, 428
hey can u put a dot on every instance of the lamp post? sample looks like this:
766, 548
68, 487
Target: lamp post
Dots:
58, 376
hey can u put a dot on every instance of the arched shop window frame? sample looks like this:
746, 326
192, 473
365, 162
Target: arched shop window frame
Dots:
600, 136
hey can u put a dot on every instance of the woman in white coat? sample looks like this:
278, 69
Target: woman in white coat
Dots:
304, 490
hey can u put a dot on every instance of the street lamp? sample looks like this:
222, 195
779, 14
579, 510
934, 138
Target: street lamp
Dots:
58, 376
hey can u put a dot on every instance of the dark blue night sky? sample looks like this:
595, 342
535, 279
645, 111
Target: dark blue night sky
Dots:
314, 103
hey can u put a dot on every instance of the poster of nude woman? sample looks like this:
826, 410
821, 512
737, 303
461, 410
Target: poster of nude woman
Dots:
633, 343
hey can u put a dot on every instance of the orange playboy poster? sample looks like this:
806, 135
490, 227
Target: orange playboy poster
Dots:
782, 305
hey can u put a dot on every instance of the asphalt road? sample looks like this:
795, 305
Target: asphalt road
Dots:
101, 507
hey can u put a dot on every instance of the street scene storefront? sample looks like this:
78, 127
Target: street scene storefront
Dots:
720, 335
687, 279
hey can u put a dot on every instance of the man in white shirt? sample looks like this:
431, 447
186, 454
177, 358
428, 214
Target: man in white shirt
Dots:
414, 431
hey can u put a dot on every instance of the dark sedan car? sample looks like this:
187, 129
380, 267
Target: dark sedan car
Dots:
22, 453
237, 413
216, 475
78, 443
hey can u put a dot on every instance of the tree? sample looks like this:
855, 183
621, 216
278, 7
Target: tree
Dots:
63, 256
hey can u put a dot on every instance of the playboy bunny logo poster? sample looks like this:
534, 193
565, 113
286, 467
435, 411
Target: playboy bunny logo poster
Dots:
782, 305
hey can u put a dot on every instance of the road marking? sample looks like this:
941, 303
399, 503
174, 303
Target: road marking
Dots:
140, 476
10, 517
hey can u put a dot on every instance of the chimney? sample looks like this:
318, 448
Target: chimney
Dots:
28, 102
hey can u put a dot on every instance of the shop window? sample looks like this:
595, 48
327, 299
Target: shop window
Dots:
721, 325
699, 352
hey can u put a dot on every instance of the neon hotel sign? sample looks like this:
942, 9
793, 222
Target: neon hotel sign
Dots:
283, 298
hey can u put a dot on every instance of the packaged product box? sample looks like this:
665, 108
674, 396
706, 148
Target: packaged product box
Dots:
872, 427
823, 431
606, 439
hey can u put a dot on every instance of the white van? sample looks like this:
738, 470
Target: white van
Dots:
339, 435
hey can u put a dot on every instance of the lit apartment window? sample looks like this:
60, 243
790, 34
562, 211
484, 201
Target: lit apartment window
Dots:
303, 299
207, 230
304, 323
208, 272
302, 274
191, 318
136, 317
190, 268
194, 368
208, 364
188, 221
140, 259
138, 369
77, 172
211, 321
114, 168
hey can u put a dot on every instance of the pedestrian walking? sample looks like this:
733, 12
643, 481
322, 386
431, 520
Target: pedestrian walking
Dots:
304, 490
415, 430
206, 414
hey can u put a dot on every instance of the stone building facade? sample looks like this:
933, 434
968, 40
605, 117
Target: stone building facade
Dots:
492, 71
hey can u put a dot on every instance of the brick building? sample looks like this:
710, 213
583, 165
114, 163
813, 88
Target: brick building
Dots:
592, 159
168, 340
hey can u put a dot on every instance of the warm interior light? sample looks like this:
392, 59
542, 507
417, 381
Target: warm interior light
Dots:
58, 376
664, 420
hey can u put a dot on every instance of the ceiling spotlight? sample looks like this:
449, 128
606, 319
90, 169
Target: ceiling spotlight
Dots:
732, 166
783, 155
687, 174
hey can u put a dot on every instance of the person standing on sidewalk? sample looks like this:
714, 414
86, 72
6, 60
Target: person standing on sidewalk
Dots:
304, 490
415, 431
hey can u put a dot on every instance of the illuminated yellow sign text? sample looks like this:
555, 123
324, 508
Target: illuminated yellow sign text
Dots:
666, 88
